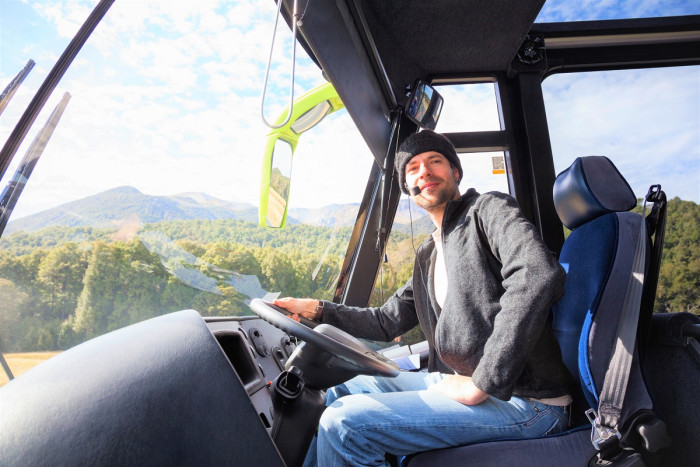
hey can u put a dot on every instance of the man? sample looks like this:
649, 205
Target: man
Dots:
482, 288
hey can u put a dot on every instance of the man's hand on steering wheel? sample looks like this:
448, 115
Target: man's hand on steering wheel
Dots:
305, 307
349, 356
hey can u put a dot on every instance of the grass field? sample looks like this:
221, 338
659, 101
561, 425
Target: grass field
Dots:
21, 362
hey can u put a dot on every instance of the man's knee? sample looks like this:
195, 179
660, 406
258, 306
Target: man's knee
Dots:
346, 432
344, 415
334, 417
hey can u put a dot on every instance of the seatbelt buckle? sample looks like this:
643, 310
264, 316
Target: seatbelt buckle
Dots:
602, 437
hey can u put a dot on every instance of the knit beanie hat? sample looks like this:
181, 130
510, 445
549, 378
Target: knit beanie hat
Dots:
418, 143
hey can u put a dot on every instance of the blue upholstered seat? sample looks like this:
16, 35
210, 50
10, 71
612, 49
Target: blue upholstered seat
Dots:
592, 199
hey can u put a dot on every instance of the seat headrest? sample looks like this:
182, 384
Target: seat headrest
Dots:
590, 187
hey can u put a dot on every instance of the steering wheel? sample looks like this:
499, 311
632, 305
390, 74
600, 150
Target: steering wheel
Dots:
355, 355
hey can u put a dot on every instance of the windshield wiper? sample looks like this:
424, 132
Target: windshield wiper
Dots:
11, 88
14, 187
49, 84
6, 367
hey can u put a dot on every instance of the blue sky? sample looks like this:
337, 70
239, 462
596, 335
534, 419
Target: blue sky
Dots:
166, 98
587, 10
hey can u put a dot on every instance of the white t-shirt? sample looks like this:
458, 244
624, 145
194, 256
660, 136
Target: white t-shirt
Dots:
440, 277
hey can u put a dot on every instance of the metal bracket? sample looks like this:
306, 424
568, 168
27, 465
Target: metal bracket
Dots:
601, 436
532, 56
532, 51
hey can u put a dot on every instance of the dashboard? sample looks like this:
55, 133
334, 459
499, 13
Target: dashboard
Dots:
258, 352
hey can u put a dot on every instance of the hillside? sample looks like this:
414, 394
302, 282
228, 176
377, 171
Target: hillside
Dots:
115, 208
128, 209
334, 215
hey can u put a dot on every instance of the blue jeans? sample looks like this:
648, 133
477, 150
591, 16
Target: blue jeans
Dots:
369, 416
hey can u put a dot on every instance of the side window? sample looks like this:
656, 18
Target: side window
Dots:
648, 123
468, 107
484, 171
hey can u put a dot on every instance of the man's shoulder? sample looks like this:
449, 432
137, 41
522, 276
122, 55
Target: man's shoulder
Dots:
473, 198
495, 202
495, 197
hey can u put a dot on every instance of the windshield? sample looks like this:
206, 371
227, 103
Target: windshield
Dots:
145, 198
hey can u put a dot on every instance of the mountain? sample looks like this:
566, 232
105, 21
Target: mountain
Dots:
205, 199
333, 215
126, 209
341, 215
126, 205
409, 217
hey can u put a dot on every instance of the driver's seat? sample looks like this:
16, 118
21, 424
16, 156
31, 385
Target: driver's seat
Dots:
592, 199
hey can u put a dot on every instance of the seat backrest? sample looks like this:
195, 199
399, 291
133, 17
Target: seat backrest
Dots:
592, 199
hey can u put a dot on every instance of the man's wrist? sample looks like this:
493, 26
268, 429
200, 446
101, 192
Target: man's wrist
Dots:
319, 311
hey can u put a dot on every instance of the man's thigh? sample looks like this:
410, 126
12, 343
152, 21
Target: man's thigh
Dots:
405, 422
405, 381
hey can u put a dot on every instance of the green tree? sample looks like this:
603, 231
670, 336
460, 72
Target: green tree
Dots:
122, 285
12, 299
679, 277
95, 303
277, 271
60, 277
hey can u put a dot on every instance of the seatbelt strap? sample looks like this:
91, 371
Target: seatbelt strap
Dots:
612, 396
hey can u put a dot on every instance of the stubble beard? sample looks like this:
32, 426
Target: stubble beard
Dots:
445, 194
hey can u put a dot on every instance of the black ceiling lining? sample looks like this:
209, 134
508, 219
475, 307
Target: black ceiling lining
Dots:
420, 39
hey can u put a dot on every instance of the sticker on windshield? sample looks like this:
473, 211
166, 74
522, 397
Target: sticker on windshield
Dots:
499, 165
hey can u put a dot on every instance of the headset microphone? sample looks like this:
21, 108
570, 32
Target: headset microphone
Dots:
414, 190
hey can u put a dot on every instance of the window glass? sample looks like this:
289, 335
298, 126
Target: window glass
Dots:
468, 107
484, 171
566, 10
145, 199
648, 123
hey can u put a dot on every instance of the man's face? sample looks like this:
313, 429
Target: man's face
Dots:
435, 176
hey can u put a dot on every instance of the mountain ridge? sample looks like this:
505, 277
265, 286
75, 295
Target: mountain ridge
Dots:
122, 205
126, 207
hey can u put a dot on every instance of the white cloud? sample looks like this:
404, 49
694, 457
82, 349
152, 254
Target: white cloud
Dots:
243, 13
67, 16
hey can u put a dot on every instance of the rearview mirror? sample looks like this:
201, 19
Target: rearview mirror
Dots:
307, 112
274, 199
424, 105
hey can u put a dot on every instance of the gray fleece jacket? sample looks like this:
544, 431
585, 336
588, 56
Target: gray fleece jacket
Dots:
495, 323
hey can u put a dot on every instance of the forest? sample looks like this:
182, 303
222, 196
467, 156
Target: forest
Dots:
60, 286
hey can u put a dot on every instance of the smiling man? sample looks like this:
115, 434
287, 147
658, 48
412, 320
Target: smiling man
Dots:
482, 288
436, 173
